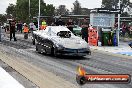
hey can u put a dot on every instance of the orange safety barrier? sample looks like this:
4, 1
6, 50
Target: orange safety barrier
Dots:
93, 36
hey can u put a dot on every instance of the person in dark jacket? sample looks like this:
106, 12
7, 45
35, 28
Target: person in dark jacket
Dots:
12, 24
70, 25
19, 26
84, 30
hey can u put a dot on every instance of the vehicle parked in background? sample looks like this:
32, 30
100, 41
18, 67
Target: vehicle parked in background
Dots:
77, 30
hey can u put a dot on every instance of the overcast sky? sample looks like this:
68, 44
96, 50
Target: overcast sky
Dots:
69, 3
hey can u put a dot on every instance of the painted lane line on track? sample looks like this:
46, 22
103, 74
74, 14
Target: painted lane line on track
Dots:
66, 69
7, 81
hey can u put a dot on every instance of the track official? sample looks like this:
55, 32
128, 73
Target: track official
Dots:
44, 25
25, 30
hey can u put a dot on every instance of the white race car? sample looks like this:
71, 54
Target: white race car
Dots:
59, 40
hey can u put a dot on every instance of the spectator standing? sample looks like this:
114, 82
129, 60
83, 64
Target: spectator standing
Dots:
130, 29
70, 25
31, 26
35, 23
19, 26
84, 30
12, 24
25, 30
124, 28
43, 25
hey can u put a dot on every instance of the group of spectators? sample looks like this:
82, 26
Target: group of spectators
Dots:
32, 26
14, 26
125, 28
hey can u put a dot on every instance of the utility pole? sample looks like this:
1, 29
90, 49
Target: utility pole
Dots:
29, 10
0, 32
118, 30
39, 15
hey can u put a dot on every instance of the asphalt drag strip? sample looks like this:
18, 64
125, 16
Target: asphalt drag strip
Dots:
41, 78
65, 67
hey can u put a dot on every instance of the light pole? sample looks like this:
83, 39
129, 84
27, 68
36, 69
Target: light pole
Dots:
118, 30
39, 15
29, 9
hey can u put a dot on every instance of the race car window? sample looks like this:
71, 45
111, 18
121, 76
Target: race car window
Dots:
49, 31
64, 34
53, 33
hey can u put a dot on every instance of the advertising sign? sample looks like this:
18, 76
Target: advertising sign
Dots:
102, 19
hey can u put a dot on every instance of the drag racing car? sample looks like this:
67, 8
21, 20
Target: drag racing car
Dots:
59, 40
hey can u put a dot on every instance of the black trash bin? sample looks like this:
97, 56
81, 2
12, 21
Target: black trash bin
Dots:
106, 37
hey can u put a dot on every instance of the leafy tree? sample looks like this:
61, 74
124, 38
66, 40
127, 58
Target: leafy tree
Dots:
21, 9
61, 10
22, 12
77, 8
2, 18
125, 14
110, 4
49, 10
125, 4
11, 10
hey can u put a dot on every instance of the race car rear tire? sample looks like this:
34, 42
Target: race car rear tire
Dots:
37, 50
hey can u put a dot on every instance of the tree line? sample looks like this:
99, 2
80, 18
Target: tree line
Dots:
21, 9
